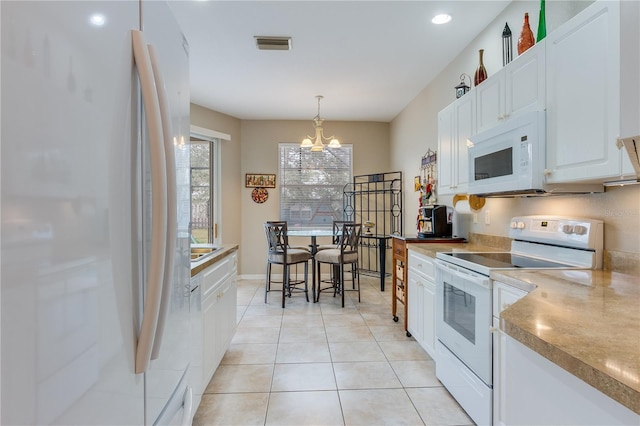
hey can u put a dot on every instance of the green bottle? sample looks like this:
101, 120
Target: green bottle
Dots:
542, 25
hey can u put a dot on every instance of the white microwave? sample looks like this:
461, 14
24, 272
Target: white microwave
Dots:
509, 159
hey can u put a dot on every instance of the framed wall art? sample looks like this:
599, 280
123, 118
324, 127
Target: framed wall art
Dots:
259, 180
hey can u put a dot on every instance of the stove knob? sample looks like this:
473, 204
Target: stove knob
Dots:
567, 229
514, 225
520, 225
580, 229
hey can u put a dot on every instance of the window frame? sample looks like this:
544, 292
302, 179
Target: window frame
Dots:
215, 173
327, 216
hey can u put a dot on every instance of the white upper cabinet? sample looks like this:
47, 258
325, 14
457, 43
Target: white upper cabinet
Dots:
516, 88
592, 61
455, 126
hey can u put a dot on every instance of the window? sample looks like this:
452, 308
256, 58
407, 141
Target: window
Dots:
312, 183
203, 212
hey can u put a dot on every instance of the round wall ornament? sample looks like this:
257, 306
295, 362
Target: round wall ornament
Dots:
259, 195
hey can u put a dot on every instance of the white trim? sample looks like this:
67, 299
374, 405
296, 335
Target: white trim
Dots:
201, 131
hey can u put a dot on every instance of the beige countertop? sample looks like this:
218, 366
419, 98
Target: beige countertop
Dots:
587, 322
211, 259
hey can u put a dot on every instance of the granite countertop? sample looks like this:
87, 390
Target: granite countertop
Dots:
211, 259
587, 322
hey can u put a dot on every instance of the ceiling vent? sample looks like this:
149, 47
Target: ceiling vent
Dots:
273, 43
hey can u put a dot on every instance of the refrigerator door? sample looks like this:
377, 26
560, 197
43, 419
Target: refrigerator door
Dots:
69, 287
166, 378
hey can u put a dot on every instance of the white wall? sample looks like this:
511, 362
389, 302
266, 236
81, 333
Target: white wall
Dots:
414, 131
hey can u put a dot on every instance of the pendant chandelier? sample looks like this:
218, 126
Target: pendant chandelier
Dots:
316, 145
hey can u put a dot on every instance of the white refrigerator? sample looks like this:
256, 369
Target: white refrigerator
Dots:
94, 237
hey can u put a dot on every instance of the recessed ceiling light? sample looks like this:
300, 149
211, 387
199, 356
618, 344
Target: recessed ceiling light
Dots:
441, 19
97, 19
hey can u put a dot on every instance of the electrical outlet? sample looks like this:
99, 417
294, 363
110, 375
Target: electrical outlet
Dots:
475, 218
487, 218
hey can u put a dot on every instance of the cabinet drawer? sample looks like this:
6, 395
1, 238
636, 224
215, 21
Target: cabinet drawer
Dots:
421, 264
504, 296
399, 249
216, 274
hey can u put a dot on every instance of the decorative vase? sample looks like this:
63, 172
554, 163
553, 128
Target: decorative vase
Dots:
542, 24
526, 39
481, 71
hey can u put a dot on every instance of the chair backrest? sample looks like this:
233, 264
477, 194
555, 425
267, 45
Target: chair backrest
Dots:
337, 230
350, 237
276, 233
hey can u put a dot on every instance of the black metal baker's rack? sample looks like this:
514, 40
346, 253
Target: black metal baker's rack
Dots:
375, 198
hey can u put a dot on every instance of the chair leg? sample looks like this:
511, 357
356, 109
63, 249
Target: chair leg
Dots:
357, 276
341, 284
285, 282
306, 280
267, 285
318, 282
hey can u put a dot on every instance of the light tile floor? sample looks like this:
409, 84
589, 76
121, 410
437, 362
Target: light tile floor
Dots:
321, 364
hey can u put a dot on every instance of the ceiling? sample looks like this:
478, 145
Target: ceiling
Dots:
368, 59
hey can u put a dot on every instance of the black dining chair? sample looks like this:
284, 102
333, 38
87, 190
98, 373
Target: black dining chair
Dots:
279, 253
338, 258
335, 240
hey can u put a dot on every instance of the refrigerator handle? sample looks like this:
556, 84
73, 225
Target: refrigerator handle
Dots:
187, 414
159, 204
172, 213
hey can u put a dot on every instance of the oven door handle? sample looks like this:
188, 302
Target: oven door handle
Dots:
465, 274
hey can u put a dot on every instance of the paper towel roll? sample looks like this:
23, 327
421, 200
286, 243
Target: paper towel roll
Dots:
463, 207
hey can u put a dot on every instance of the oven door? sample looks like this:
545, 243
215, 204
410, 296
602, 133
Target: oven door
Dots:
463, 316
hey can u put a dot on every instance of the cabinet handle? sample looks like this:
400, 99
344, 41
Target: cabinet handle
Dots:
493, 329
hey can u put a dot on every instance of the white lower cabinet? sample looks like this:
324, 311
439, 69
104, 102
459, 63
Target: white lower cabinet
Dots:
421, 301
528, 389
538, 392
503, 296
219, 294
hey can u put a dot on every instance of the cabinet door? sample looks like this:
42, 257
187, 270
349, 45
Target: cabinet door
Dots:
455, 126
560, 397
464, 129
490, 98
209, 362
583, 96
525, 82
499, 373
446, 151
415, 304
429, 318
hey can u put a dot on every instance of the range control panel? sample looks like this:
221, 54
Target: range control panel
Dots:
558, 230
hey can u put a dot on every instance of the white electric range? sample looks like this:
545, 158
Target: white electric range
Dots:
464, 298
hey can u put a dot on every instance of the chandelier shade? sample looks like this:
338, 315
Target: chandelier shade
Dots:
316, 142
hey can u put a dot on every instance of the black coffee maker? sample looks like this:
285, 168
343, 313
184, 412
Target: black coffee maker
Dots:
434, 221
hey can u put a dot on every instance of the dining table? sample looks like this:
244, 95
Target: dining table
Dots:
314, 233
